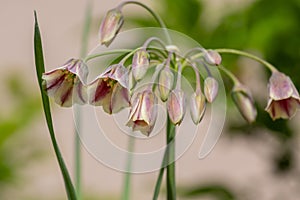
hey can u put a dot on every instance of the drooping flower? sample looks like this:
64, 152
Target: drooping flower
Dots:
110, 89
284, 98
197, 106
165, 83
140, 64
176, 106
143, 112
211, 88
244, 102
212, 57
66, 84
110, 26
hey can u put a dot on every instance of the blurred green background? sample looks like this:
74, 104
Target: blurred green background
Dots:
268, 28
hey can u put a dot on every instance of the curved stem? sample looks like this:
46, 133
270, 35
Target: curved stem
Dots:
154, 39
128, 55
90, 57
206, 68
202, 50
156, 17
242, 53
179, 70
230, 75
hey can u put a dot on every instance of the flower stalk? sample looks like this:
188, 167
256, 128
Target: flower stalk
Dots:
171, 179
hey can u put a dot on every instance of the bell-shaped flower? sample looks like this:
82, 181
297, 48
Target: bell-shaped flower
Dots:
66, 84
176, 106
212, 57
211, 88
244, 102
165, 83
143, 112
284, 98
110, 89
140, 64
197, 106
110, 26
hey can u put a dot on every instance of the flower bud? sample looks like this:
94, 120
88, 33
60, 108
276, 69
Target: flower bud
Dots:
244, 102
165, 81
140, 64
212, 57
110, 26
176, 106
197, 106
143, 112
284, 98
211, 88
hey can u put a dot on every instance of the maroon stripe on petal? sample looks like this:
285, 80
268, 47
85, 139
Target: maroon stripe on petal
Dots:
102, 90
285, 105
66, 95
57, 82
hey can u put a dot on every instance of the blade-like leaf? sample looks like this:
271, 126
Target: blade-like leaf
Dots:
40, 69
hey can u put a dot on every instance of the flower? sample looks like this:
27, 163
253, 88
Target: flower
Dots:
212, 57
143, 112
110, 89
140, 64
244, 102
66, 83
284, 98
176, 106
165, 83
110, 26
197, 106
211, 87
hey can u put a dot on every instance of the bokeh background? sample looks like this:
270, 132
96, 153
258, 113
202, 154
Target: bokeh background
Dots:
260, 161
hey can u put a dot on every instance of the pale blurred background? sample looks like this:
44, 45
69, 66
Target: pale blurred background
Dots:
248, 163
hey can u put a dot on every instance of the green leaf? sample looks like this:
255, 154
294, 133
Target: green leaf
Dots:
40, 69
217, 191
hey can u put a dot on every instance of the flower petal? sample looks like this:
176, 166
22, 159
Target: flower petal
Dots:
119, 98
280, 86
176, 106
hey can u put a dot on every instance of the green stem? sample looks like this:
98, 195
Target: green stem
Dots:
242, 53
125, 58
156, 17
230, 75
171, 181
40, 69
160, 175
90, 57
77, 110
127, 180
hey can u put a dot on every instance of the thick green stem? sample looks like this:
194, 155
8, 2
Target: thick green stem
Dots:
156, 17
171, 181
242, 53
160, 176
127, 180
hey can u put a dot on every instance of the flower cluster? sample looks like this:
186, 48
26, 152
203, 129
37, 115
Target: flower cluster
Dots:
114, 89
